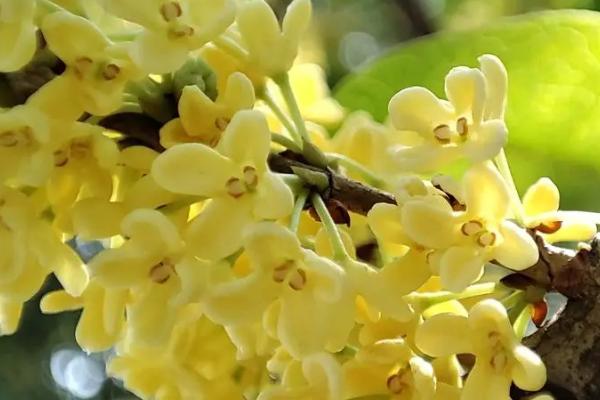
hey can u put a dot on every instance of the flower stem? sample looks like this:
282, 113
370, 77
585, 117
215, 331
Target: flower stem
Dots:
231, 47
339, 251
504, 169
298, 208
286, 142
285, 121
288, 94
353, 165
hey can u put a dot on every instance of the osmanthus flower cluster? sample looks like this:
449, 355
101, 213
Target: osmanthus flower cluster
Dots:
233, 266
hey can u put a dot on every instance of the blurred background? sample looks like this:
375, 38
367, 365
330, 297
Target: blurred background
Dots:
42, 361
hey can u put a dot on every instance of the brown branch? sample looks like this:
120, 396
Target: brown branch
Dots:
415, 11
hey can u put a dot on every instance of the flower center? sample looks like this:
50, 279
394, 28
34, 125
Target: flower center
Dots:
477, 230
399, 382
500, 357
221, 123
444, 134
20, 137
77, 149
161, 272
290, 273
237, 187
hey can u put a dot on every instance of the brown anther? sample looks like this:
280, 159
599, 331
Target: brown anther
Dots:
396, 384
235, 188
171, 10
162, 271
281, 272
8, 139
221, 123
250, 176
111, 71
443, 134
486, 239
182, 31
80, 149
549, 227
462, 126
60, 158
82, 64
499, 361
471, 228
214, 141
298, 280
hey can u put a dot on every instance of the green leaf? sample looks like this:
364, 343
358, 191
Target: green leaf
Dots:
553, 63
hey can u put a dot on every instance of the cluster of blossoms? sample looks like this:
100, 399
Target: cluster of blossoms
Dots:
222, 278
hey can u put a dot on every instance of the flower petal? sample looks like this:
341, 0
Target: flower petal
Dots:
541, 197
269, 245
384, 220
517, 250
529, 372
96, 218
465, 88
484, 383
418, 109
247, 139
193, 169
10, 316
486, 194
496, 79
428, 224
154, 53
239, 92
487, 141
218, 230
459, 267
242, 301
18, 43
273, 199
453, 328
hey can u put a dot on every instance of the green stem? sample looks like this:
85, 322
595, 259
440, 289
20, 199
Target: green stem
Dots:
339, 250
515, 199
286, 142
426, 300
288, 94
514, 299
295, 183
298, 208
357, 167
285, 121
521, 320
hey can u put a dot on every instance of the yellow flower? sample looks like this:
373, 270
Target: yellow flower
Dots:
25, 146
272, 49
237, 179
317, 376
204, 121
317, 310
18, 40
102, 320
469, 124
97, 69
172, 28
488, 334
152, 264
541, 206
461, 242
197, 362
389, 367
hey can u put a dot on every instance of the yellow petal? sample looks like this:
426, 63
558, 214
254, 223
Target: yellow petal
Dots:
496, 79
486, 194
154, 53
152, 228
217, 231
124, 267
193, 169
59, 301
242, 301
429, 224
18, 43
274, 199
384, 220
573, 230
10, 316
418, 109
459, 267
517, 250
484, 383
487, 141
71, 37
269, 245
453, 328
541, 197
239, 93
247, 139
95, 218
423, 376
465, 88
529, 372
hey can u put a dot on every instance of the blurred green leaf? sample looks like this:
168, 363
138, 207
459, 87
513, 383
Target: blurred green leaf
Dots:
553, 61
